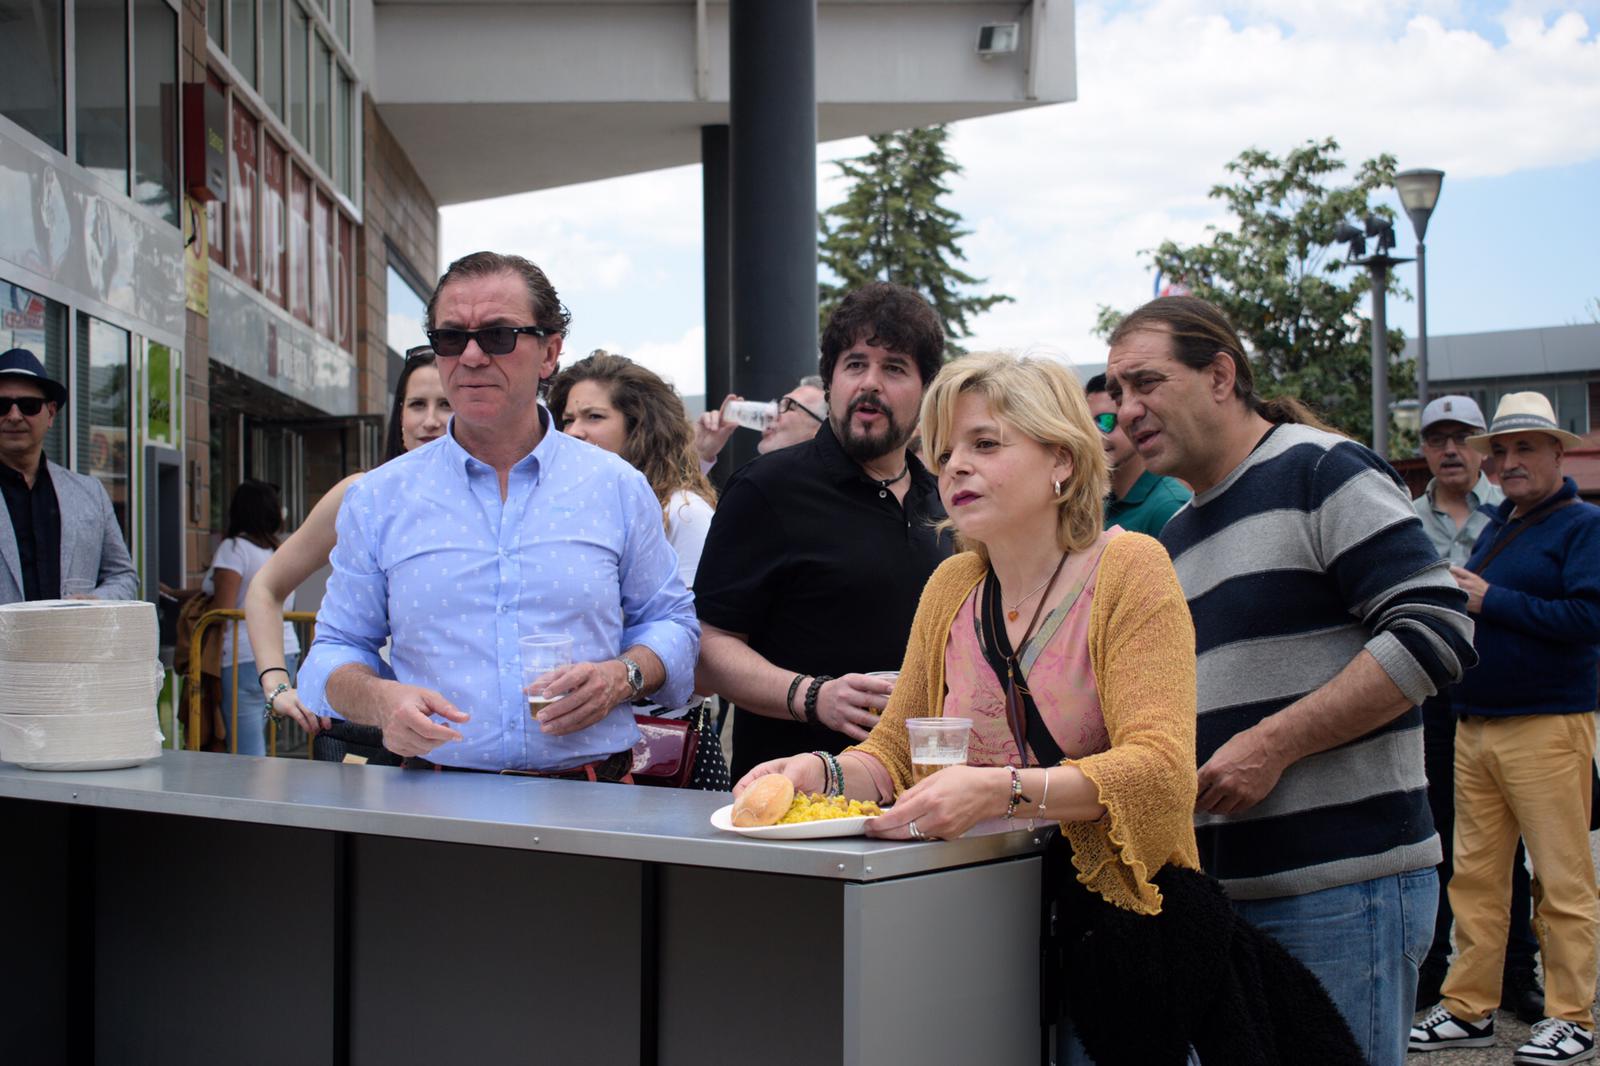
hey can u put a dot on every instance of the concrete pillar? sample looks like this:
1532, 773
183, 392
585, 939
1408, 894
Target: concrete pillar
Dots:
773, 142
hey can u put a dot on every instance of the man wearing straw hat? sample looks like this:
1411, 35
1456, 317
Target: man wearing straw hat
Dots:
1524, 743
57, 528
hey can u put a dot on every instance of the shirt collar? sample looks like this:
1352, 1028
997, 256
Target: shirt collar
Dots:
1141, 489
40, 476
542, 452
1475, 495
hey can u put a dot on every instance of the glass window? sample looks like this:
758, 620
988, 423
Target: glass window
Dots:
274, 247
1572, 406
322, 107
300, 245
342, 133
102, 84
28, 320
322, 239
103, 409
159, 363
345, 269
242, 15
299, 71
32, 90
214, 10
341, 21
407, 313
272, 54
155, 107
217, 213
242, 194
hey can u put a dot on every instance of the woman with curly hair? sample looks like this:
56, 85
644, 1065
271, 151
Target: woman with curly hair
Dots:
616, 404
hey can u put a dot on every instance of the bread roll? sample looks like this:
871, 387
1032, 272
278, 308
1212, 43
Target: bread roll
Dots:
764, 802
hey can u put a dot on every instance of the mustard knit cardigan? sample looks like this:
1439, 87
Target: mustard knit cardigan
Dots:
1141, 646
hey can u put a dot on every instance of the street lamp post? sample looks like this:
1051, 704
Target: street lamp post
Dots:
1419, 192
1379, 263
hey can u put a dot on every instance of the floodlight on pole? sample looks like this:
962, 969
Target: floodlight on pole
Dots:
1378, 264
1419, 193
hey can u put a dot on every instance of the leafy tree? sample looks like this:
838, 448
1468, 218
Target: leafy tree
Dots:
892, 227
1298, 304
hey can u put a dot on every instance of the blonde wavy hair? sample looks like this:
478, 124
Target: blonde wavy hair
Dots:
1043, 400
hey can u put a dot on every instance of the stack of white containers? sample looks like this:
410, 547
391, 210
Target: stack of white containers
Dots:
78, 684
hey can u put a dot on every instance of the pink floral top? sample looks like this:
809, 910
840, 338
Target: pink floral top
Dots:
1056, 665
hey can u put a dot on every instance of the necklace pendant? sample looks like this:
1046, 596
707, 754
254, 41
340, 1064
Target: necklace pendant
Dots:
1012, 615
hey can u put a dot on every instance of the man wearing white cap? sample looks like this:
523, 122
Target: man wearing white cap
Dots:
1524, 742
57, 528
1455, 508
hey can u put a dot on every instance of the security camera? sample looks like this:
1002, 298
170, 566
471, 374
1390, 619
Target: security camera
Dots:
998, 38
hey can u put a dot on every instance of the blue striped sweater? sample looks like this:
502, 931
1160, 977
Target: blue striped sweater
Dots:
1306, 554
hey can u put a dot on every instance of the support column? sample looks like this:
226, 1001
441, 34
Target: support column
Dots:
773, 151
714, 209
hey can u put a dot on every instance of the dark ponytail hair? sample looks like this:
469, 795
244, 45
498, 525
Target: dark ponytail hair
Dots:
1199, 331
255, 514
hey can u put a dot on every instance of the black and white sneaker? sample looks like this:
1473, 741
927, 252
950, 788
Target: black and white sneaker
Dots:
1553, 1040
1441, 1030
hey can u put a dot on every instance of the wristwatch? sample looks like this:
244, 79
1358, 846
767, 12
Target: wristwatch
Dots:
635, 678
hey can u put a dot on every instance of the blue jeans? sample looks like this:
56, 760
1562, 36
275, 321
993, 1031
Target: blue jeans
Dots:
252, 700
1364, 942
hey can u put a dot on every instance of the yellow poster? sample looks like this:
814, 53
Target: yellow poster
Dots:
196, 258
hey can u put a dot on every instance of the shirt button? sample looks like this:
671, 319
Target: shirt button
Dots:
882, 493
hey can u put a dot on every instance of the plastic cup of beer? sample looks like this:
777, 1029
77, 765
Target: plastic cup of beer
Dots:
542, 653
77, 588
937, 743
890, 676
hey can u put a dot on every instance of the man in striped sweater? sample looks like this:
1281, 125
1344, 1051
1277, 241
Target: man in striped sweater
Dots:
1323, 616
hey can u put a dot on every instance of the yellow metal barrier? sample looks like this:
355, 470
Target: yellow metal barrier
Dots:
192, 683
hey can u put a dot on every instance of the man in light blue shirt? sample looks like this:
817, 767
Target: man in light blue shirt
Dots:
503, 528
1453, 506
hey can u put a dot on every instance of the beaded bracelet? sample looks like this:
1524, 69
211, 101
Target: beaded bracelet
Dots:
1016, 793
812, 693
788, 702
838, 775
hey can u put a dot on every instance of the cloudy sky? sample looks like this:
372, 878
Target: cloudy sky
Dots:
1504, 97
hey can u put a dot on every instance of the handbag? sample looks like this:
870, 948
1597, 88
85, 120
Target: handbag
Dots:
679, 753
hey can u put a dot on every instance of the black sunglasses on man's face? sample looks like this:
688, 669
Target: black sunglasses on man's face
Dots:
492, 340
28, 405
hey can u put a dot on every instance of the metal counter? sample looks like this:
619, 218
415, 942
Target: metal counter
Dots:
208, 908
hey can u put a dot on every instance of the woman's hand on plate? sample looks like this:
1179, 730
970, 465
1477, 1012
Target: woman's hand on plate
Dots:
945, 805
804, 771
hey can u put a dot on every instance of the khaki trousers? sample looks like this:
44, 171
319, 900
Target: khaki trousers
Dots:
1526, 775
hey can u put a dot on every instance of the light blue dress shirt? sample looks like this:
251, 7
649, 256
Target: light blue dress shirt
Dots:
429, 555
1454, 544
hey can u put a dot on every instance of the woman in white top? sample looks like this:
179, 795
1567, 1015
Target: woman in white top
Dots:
420, 415
616, 404
255, 516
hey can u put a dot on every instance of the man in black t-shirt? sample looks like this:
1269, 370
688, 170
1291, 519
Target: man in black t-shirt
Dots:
818, 552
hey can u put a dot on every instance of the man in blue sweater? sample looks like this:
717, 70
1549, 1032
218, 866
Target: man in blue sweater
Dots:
1322, 617
1524, 743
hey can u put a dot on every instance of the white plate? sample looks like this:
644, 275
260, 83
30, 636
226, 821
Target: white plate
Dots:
722, 818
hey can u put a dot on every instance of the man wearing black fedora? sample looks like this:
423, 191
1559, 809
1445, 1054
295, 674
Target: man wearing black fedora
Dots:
58, 533
1524, 743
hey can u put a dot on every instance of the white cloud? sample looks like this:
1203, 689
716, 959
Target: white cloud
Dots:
682, 362
1062, 199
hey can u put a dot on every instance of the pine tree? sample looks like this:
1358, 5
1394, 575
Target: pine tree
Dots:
892, 227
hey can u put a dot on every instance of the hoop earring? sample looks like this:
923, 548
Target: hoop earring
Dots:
1057, 484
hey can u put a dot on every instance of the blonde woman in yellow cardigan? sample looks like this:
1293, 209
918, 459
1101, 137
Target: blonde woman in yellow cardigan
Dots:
1041, 608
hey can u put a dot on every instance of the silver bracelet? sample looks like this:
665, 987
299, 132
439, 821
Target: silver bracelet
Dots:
283, 686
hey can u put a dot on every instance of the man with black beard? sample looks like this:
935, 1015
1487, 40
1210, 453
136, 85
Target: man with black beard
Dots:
818, 552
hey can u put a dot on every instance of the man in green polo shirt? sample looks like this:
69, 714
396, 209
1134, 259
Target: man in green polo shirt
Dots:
1140, 501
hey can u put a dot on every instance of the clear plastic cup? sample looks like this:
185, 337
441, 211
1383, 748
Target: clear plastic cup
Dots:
937, 743
751, 414
890, 676
77, 588
541, 653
